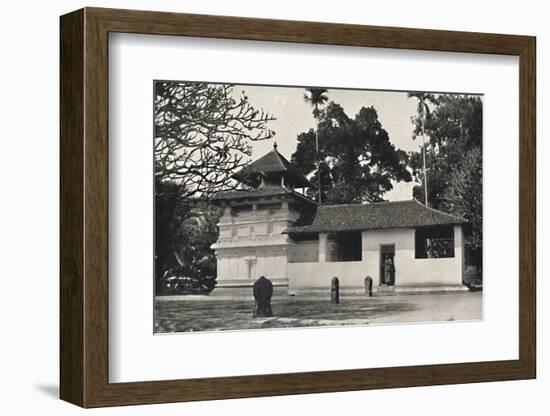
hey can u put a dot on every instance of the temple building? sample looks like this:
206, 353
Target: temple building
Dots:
271, 228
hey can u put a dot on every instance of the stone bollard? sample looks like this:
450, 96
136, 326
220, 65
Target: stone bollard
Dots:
262, 290
335, 290
368, 286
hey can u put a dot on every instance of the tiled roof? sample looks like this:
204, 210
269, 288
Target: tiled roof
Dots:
379, 215
272, 163
267, 191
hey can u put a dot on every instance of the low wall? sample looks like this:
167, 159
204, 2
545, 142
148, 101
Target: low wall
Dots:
247, 264
303, 252
430, 272
410, 271
319, 275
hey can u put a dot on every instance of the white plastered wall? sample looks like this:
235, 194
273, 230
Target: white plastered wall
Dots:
409, 271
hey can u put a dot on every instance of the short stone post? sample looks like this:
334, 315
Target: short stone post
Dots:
335, 290
368, 286
262, 290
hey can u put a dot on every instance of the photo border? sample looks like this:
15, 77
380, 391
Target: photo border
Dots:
84, 318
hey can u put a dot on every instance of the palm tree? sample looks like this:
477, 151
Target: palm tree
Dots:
317, 97
423, 110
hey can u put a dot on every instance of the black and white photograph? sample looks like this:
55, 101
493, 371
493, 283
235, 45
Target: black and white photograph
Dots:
311, 206
275, 208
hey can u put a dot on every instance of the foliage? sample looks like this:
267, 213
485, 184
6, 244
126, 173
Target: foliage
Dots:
316, 97
454, 160
423, 106
464, 197
358, 161
169, 212
423, 110
184, 232
203, 133
453, 128
202, 137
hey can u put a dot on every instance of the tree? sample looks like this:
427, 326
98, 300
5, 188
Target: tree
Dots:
203, 133
358, 161
170, 211
464, 197
423, 110
453, 127
316, 97
202, 136
453, 155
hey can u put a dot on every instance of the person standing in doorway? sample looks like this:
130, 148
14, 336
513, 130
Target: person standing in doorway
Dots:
389, 270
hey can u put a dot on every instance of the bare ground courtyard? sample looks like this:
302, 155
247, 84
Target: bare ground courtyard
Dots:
211, 313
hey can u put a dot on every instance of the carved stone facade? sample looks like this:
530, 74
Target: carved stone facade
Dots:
252, 242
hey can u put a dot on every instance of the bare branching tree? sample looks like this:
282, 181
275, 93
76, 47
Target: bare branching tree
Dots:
203, 133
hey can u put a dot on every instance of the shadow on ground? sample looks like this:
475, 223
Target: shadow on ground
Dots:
179, 315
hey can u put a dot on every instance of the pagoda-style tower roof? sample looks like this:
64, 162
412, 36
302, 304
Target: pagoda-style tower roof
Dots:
273, 168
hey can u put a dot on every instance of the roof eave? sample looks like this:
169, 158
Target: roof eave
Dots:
355, 229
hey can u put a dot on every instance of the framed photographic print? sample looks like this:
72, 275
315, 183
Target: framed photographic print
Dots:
256, 207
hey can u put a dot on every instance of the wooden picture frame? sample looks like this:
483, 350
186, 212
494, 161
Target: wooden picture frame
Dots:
84, 207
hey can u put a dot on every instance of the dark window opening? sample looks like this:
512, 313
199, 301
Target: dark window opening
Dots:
240, 209
434, 242
345, 246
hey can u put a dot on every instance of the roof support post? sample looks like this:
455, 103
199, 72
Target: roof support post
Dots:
364, 251
459, 248
323, 247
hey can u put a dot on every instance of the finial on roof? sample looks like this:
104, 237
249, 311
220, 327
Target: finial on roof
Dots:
274, 145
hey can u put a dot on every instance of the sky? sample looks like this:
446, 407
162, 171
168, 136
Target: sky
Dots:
294, 116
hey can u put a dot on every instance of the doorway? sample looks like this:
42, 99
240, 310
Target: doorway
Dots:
387, 264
